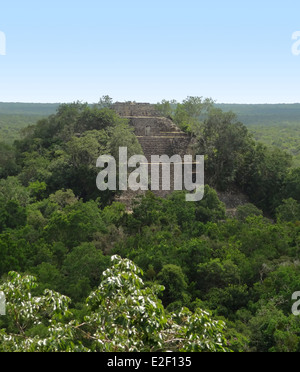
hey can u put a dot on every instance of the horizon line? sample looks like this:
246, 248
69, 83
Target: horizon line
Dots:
95, 103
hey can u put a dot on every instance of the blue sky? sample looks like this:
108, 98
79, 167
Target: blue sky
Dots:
231, 51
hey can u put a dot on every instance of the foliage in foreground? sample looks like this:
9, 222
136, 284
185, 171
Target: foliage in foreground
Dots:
122, 314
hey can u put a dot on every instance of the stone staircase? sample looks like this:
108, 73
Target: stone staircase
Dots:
157, 136
156, 146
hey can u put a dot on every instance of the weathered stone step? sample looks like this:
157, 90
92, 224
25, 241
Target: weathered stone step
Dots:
157, 136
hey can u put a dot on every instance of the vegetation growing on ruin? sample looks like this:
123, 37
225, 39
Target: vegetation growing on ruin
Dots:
81, 273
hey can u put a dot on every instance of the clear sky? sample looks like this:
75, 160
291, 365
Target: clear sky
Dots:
231, 51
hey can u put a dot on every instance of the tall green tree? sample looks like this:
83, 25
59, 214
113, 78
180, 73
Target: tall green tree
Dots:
224, 142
